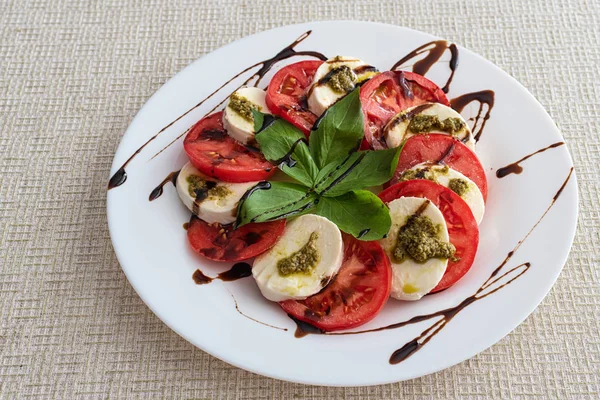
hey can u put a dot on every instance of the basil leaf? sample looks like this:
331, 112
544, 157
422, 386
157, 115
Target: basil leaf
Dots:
285, 145
277, 200
258, 119
359, 213
339, 131
357, 171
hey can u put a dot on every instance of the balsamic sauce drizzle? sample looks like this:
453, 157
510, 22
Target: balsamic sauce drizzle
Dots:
237, 308
484, 98
434, 51
265, 66
494, 283
287, 159
515, 168
158, 191
238, 271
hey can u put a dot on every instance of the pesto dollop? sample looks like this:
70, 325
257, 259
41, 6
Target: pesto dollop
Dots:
302, 261
458, 186
429, 173
427, 123
197, 186
242, 106
422, 173
418, 239
342, 80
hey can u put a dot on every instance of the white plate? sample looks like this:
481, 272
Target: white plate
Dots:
151, 245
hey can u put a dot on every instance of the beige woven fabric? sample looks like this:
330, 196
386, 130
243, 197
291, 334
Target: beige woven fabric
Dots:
73, 73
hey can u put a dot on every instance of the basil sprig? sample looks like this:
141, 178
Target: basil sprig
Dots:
329, 170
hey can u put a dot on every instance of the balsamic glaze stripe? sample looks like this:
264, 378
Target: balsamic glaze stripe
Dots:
515, 168
434, 51
158, 191
483, 97
237, 308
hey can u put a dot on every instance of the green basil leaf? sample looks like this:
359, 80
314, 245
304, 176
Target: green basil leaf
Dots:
359, 213
339, 131
277, 200
258, 119
285, 145
357, 171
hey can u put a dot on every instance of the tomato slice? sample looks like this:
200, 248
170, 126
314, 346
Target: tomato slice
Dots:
355, 296
286, 94
462, 227
218, 155
223, 243
388, 93
434, 148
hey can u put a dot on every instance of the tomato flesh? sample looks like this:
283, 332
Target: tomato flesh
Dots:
218, 155
439, 148
286, 94
388, 93
462, 227
223, 243
356, 294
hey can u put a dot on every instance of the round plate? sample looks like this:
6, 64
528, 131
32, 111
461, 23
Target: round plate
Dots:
532, 214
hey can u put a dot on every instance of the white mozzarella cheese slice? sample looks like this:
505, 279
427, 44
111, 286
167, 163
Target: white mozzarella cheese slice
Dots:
396, 130
410, 279
444, 175
238, 126
217, 203
321, 96
326, 240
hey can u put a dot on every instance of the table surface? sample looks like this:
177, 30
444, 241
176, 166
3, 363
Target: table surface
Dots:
73, 73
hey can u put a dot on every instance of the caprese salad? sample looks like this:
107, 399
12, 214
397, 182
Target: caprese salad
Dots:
292, 177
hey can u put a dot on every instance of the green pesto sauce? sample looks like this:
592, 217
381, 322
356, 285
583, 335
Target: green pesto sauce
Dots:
418, 239
458, 186
424, 173
427, 123
218, 192
242, 106
197, 184
302, 261
343, 79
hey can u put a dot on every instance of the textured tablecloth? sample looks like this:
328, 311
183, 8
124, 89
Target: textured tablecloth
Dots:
73, 73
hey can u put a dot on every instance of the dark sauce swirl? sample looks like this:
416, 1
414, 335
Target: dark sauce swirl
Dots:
433, 52
158, 191
238, 271
485, 98
515, 168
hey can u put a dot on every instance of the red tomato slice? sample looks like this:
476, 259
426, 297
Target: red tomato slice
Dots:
218, 155
434, 148
388, 93
462, 227
355, 296
223, 243
286, 94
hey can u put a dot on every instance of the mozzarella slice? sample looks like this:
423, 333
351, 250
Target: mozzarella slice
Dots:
396, 130
300, 285
219, 203
240, 127
444, 175
411, 280
321, 95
